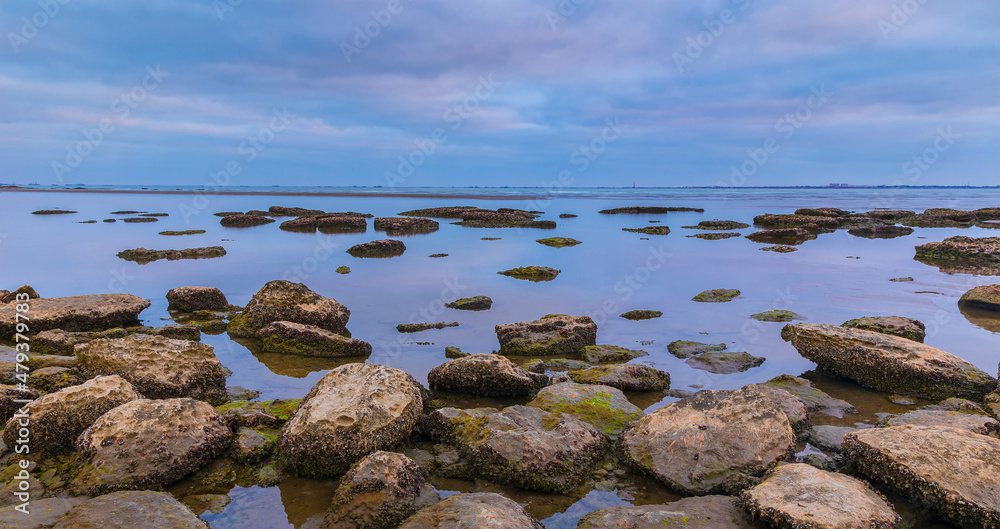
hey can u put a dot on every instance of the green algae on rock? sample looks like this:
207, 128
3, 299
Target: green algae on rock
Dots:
282, 300
454, 352
626, 377
308, 340
965, 255
642, 314
684, 349
603, 407
649, 230
417, 327
472, 303
718, 295
776, 316
983, 297
603, 353
551, 335
558, 242
343, 270
532, 273
144, 255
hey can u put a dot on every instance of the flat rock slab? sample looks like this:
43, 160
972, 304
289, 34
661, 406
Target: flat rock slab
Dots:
282, 300
974, 422
890, 363
42, 513
725, 362
685, 349
829, 437
711, 441
405, 225
603, 407
553, 335
308, 340
626, 377
481, 509
521, 446
610, 353
95, 312
802, 496
145, 255
704, 512
158, 367
815, 399
895, 325
131, 510
954, 472
351, 412
486, 375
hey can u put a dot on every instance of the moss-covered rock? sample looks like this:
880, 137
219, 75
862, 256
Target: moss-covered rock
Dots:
983, 297
343, 270
715, 236
718, 225
286, 301
776, 316
472, 303
454, 352
417, 327
251, 447
486, 375
552, 335
532, 273
379, 492
53, 378
718, 295
780, 249
308, 340
610, 353
967, 255
684, 349
76, 313
145, 255
908, 328
782, 236
626, 377
636, 315
649, 230
603, 407
558, 242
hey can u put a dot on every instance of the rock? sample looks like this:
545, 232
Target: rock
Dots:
172, 233
60, 342
240, 393
147, 444
992, 402
646, 210
952, 471
902, 279
814, 399
351, 412
190, 299
13, 398
719, 295
378, 249
131, 510
822, 212
38, 361
532, 273
965, 255
49, 379
552, 335
984, 297
76, 313
636, 315
895, 325
57, 419
558, 242
776, 316
520, 446
650, 230
158, 367
20, 292
42, 513
481, 509
567, 216
704, 512
795, 409
179, 332
282, 300
501, 218
308, 340
252, 447
241, 220
554, 364
780, 249
720, 225
343, 270
684, 349
783, 236
52, 212
799, 495
956, 413
890, 363
454, 352
610, 353
473, 303
268, 414
144, 255
715, 236
713, 441
881, 232
418, 327
603, 407
486, 375
626, 377
829, 437
901, 400
776, 222
406, 225
283, 211
725, 362
379, 492
138, 220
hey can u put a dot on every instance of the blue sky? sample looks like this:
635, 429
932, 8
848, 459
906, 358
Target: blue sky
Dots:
500, 92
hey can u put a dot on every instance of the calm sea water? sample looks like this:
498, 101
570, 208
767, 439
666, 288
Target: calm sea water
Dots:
829, 280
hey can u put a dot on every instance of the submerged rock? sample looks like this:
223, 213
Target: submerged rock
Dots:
486, 375
645, 210
552, 335
889, 363
143, 255
308, 340
650, 230
241, 220
418, 327
881, 232
713, 441
725, 362
984, 297
776, 316
351, 412
379, 492
158, 367
626, 377
558, 242
52, 212
405, 225
719, 295
964, 255
148, 444
783, 236
473, 303
610, 353
603, 407
780, 249
799, 495
814, 399
532, 273
481, 509
684, 349
716, 236
521, 446
719, 225
895, 325
282, 300
954, 472
76, 313
636, 315
380, 249
704, 512
190, 299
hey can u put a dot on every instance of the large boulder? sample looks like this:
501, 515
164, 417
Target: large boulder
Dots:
351, 412
148, 444
190, 299
626, 377
486, 375
520, 446
889, 363
467, 511
131, 510
379, 492
158, 367
76, 313
712, 441
703, 512
603, 407
800, 495
308, 340
556, 334
894, 325
954, 472
57, 419
282, 300
984, 297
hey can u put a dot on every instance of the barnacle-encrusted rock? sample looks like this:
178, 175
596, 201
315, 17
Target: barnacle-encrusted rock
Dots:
308, 340
964, 255
887, 231
720, 225
282, 300
130, 510
190, 299
405, 225
379, 492
626, 377
814, 399
556, 334
782, 236
380, 249
486, 375
894, 325
240, 220
481, 509
956, 413
772, 221
603, 407
983, 297
76, 313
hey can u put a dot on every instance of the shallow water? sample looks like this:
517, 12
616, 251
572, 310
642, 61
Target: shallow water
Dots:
829, 280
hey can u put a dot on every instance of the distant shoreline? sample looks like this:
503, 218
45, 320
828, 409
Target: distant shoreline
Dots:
366, 194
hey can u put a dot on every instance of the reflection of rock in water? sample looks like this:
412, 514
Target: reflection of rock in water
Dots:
962, 255
962, 268
306, 500
985, 319
293, 365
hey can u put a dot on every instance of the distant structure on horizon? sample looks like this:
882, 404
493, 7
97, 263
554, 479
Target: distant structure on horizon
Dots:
840, 185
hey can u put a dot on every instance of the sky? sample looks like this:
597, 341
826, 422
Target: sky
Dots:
404, 93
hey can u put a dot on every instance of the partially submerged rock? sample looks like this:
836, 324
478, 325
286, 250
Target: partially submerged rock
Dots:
76, 313
715, 236
800, 495
719, 225
405, 225
558, 242
704, 512
610, 353
649, 230
814, 399
780, 249
908, 328
648, 210
889, 363
473, 303
812, 223
718, 295
351, 412
144, 255
725, 362
241, 220
984, 297
308, 340
626, 377
131, 510
954, 413
954, 472
282, 300
684, 349
964, 255
828, 437
486, 375
52, 212
148, 444
532, 273
887, 231
782, 236
553, 335
190, 299
380, 491
636, 315
251, 447
481, 509
418, 327
380, 249
713, 441
776, 316
603, 407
